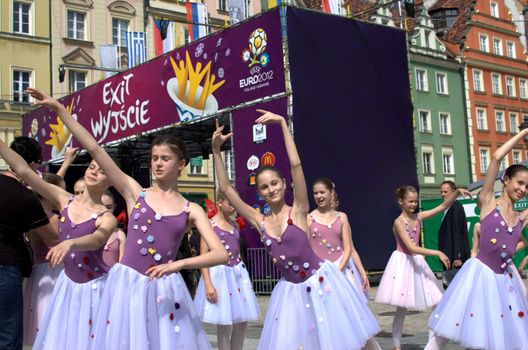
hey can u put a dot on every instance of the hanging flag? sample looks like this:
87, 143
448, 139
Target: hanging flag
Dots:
269, 4
237, 10
195, 17
330, 6
135, 48
108, 54
162, 36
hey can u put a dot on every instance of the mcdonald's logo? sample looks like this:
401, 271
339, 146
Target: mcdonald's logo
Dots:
267, 159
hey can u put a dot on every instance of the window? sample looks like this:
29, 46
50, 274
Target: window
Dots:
503, 164
510, 86
428, 160
186, 36
77, 80
494, 9
478, 84
21, 11
441, 83
448, 165
510, 49
483, 42
482, 123
444, 18
76, 24
514, 123
425, 121
484, 160
197, 166
522, 88
119, 29
230, 164
421, 80
497, 46
516, 157
222, 5
21, 81
496, 83
445, 124
499, 121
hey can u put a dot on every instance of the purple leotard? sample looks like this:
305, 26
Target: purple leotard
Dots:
327, 240
291, 253
153, 238
498, 241
230, 241
81, 266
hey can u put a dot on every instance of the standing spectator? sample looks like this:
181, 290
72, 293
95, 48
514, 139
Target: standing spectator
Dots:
20, 211
453, 238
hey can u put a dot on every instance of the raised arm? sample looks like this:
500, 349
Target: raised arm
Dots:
105, 225
124, 184
56, 195
216, 255
69, 158
399, 229
486, 197
424, 215
232, 196
300, 193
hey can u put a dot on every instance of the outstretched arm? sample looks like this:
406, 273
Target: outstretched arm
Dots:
445, 204
399, 229
56, 195
124, 184
225, 187
69, 158
486, 197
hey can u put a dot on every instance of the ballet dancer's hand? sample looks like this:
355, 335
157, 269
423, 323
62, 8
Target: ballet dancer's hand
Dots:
444, 259
366, 283
464, 193
269, 118
70, 154
210, 293
43, 99
218, 138
163, 269
57, 254
457, 263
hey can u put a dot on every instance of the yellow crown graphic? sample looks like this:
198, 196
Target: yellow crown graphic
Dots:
59, 134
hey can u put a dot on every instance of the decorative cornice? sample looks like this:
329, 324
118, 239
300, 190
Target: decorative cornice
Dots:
79, 56
25, 38
122, 8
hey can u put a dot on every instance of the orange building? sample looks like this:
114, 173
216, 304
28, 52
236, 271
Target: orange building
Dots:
484, 36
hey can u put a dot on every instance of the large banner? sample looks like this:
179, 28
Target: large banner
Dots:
257, 146
228, 68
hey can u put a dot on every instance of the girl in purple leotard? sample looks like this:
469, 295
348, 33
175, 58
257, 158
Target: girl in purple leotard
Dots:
313, 306
485, 306
146, 304
84, 227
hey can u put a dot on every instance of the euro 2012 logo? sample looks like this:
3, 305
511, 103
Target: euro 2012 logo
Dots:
257, 45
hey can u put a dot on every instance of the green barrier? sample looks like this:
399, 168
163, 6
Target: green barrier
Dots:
431, 226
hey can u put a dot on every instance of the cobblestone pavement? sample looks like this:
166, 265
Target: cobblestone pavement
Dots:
415, 332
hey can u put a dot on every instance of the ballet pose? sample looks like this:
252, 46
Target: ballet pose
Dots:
225, 295
313, 306
485, 306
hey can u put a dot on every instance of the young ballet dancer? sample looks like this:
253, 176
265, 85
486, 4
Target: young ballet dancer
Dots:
313, 306
115, 246
225, 295
146, 305
485, 306
84, 227
330, 235
408, 282
38, 287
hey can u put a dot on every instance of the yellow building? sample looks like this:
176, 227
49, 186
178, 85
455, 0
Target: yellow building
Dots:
24, 60
79, 29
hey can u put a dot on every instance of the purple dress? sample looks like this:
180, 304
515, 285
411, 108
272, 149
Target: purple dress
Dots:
69, 318
313, 306
485, 306
136, 313
236, 299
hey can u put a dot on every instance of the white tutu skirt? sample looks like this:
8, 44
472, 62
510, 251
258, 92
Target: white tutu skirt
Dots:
142, 315
38, 289
236, 299
483, 310
408, 282
325, 312
352, 274
70, 315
